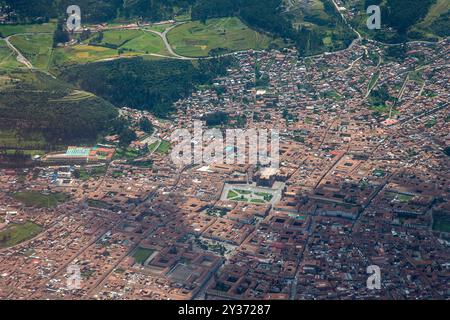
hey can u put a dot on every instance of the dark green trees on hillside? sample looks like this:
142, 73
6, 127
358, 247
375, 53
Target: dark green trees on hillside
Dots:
144, 84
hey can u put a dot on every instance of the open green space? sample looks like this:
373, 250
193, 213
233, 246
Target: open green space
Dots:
441, 222
249, 196
80, 54
146, 42
141, 255
114, 44
98, 204
36, 48
232, 194
126, 153
8, 59
402, 197
197, 39
16, 233
10, 29
163, 147
85, 174
40, 200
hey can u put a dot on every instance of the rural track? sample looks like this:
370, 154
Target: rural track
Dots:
20, 57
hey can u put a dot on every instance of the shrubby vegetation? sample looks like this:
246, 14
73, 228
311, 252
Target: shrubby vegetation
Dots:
145, 84
266, 15
34, 103
96, 10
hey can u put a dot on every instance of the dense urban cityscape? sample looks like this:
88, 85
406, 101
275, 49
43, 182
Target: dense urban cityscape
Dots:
362, 180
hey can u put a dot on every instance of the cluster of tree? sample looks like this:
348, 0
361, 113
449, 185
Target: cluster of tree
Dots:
43, 106
122, 127
146, 126
145, 84
260, 14
36, 11
60, 35
216, 119
396, 52
379, 96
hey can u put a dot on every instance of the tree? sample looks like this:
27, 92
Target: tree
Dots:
60, 35
127, 136
146, 126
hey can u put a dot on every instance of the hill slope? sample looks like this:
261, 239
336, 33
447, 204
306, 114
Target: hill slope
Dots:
32, 104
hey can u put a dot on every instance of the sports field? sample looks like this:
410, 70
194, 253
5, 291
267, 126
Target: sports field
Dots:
141, 255
195, 39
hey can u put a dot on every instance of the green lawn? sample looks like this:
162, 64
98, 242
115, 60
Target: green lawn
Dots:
249, 196
119, 37
163, 147
141, 255
232, 194
36, 48
40, 200
195, 39
16, 233
10, 29
401, 197
134, 40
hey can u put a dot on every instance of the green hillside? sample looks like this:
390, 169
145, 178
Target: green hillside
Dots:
404, 20
37, 111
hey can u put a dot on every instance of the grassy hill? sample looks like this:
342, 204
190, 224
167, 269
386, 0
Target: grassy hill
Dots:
318, 25
38, 112
197, 39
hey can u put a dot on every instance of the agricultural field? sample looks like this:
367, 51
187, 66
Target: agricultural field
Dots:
81, 54
36, 48
115, 43
16, 233
195, 39
159, 27
40, 200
